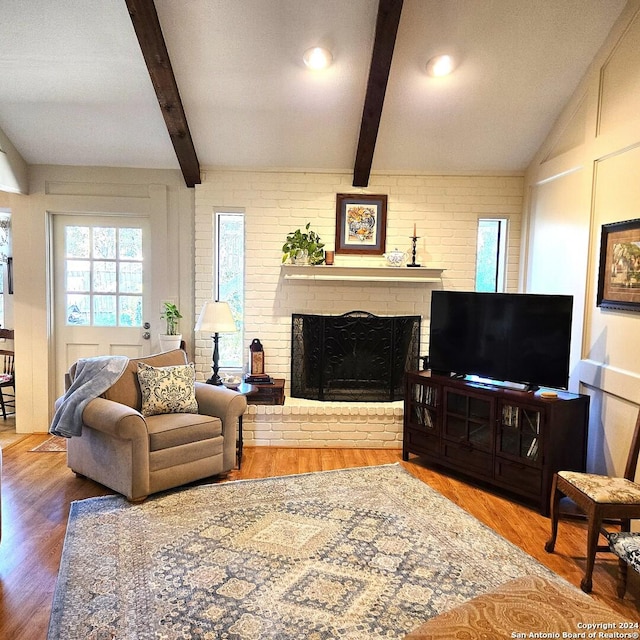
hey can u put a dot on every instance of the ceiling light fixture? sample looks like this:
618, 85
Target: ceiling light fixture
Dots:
317, 58
440, 66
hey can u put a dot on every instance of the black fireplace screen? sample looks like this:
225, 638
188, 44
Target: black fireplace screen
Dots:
353, 357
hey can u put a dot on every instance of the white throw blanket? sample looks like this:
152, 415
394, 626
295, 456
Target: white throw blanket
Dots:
93, 377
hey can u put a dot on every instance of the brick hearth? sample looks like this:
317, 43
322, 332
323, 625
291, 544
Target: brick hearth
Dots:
309, 423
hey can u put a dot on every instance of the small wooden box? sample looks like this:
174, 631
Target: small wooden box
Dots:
268, 393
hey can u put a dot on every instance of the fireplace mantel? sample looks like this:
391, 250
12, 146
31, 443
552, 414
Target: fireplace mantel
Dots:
361, 273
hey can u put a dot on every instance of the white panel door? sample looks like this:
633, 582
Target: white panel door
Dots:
101, 288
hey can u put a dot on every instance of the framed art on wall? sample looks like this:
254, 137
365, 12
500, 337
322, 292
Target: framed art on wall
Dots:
619, 276
361, 223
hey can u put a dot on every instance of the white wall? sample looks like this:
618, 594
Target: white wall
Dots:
14, 173
586, 175
160, 195
445, 210
558, 250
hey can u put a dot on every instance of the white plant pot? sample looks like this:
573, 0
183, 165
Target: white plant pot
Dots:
168, 343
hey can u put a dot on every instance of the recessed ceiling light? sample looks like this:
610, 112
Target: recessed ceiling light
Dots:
440, 66
317, 58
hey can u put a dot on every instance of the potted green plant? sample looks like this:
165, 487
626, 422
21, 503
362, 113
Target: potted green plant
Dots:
302, 247
171, 339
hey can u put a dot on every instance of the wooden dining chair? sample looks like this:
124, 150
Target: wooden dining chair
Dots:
600, 498
7, 377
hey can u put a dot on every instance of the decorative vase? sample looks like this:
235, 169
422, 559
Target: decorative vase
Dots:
395, 258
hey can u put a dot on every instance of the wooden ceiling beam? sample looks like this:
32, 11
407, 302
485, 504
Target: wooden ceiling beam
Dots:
154, 49
385, 39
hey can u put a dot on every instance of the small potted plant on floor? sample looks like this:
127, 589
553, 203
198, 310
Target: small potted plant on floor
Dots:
171, 339
303, 247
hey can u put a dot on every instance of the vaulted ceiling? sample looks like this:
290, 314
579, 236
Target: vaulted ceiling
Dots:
75, 90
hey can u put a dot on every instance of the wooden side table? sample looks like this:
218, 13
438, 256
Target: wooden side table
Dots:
246, 390
258, 394
267, 393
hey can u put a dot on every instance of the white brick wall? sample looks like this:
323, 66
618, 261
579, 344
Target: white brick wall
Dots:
445, 210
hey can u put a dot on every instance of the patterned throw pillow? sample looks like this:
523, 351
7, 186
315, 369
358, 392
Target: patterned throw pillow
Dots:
167, 389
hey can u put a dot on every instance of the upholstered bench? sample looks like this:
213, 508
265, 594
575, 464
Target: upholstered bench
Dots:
518, 608
626, 545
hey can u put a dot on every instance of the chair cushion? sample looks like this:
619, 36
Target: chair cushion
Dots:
167, 389
626, 545
604, 489
173, 430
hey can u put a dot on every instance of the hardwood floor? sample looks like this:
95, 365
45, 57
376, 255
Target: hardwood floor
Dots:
37, 489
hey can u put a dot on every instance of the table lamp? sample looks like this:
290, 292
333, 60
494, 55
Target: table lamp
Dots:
216, 317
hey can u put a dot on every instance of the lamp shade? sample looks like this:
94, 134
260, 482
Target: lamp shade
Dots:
216, 317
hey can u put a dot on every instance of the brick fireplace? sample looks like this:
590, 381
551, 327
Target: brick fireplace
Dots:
352, 357
445, 210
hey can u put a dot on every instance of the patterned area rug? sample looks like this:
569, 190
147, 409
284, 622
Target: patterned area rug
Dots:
54, 443
362, 553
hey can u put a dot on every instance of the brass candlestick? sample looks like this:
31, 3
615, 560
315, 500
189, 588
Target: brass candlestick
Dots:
413, 263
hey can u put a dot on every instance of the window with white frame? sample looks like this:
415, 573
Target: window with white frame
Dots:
229, 282
491, 254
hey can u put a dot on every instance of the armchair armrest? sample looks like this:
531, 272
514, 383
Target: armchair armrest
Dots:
228, 405
115, 419
113, 448
220, 402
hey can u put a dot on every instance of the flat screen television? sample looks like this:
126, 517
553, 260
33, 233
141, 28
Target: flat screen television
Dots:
509, 337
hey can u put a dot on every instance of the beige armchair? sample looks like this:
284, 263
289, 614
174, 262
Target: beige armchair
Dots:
136, 455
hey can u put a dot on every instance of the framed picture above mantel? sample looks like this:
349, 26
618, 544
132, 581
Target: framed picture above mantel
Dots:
619, 276
361, 223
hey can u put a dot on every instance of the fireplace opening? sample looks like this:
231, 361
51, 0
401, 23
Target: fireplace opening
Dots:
354, 357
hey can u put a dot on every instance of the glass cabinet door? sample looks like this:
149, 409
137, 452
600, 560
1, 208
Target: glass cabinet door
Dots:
468, 419
519, 432
424, 406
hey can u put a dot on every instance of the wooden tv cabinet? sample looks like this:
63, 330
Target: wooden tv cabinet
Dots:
513, 441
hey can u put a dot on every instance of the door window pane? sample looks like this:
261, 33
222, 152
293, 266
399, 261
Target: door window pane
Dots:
104, 242
104, 311
111, 264
130, 277
130, 311
78, 275
104, 276
78, 309
130, 244
77, 242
